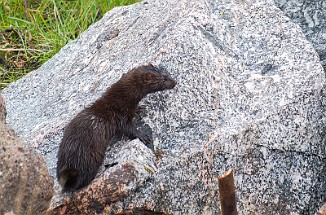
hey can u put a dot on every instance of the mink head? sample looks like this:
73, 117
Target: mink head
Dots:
152, 79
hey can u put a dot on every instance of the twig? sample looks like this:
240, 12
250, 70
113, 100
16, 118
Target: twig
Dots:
25, 6
227, 193
17, 50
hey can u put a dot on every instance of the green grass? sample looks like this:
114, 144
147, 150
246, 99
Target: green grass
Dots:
32, 31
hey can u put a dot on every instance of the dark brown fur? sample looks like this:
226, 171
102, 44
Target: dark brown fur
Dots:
86, 137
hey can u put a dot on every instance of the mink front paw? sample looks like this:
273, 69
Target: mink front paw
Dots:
144, 138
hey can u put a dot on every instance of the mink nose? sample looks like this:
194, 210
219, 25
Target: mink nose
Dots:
174, 82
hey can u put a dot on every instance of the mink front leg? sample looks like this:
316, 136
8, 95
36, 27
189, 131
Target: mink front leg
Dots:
140, 111
133, 133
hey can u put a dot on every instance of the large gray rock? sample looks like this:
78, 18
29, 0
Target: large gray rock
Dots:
311, 16
250, 95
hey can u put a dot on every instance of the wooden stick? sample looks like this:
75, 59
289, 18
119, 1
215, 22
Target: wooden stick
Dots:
322, 210
227, 193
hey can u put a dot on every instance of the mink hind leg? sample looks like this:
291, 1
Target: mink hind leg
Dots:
80, 172
68, 179
89, 170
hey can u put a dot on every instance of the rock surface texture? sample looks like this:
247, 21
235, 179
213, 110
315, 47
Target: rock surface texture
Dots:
250, 95
311, 16
25, 184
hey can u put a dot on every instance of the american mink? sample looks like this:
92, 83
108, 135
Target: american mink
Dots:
86, 137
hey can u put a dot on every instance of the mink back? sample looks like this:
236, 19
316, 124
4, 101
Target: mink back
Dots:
82, 149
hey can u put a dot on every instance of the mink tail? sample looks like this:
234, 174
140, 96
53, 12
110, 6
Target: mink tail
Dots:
68, 179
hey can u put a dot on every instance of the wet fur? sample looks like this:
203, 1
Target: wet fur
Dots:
86, 137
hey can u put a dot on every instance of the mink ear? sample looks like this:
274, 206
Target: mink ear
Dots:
147, 77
